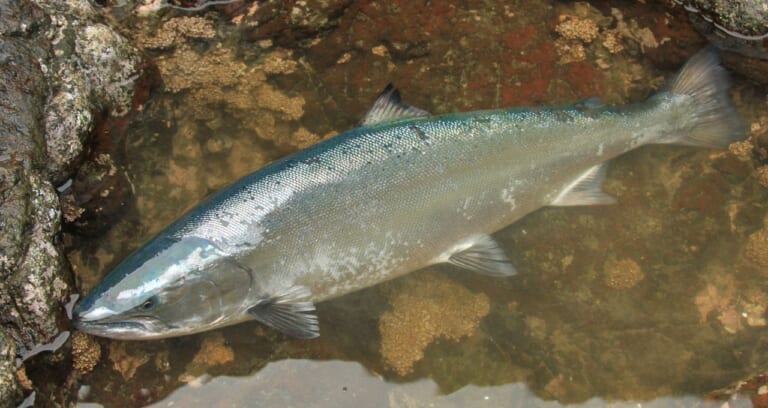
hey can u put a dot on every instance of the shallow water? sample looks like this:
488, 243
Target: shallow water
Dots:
310, 383
658, 300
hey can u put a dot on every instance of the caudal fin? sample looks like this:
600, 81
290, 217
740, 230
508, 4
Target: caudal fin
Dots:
711, 120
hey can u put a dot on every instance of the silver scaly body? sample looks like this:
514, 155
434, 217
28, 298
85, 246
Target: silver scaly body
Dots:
403, 191
388, 199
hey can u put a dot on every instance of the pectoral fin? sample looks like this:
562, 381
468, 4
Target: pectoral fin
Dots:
288, 312
482, 254
586, 189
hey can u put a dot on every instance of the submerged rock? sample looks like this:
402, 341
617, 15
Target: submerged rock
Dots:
747, 18
126, 358
427, 310
288, 25
740, 27
622, 274
176, 30
86, 353
100, 193
213, 352
756, 248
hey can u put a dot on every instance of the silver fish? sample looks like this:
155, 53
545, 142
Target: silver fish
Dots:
403, 191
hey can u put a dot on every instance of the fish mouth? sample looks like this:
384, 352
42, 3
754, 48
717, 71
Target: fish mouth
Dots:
131, 325
125, 330
143, 327
117, 330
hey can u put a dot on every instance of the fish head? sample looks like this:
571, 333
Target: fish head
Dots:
169, 287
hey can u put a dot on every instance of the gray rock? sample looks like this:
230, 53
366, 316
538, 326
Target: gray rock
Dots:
21, 152
748, 18
58, 67
9, 385
93, 68
739, 27
39, 284
18, 18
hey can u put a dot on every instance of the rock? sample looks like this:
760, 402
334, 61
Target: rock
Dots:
288, 23
18, 18
58, 67
753, 389
748, 18
423, 312
10, 390
755, 69
717, 298
100, 193
740, 27
40, 281
761, 173
622, 274
756, 248
93, 69
213, 352
126, 358
22, 193
86, 353
178, 30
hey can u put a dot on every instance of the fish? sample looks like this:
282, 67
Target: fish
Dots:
402, 191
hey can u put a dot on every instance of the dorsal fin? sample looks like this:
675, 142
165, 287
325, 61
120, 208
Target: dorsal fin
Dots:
388, 107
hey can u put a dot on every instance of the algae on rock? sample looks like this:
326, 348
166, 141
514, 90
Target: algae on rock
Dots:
423, 312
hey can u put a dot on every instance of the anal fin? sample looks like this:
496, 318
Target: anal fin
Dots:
288, 312
586, 189
482, 254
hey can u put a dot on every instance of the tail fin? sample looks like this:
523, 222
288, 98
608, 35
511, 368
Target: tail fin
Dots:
714, 121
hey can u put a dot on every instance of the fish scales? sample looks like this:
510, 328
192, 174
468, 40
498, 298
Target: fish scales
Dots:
413, 178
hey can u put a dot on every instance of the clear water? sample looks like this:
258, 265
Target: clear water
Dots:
659, 300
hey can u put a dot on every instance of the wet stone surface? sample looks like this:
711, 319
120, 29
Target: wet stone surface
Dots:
659, 296
10, 390
20, 150
59, 68
744, 17
740, 27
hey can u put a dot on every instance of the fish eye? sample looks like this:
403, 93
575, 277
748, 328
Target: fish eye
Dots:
148, 304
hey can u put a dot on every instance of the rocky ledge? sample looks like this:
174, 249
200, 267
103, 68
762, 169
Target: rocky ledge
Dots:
60, 68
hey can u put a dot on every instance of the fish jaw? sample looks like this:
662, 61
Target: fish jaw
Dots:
120, 329
138, 328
